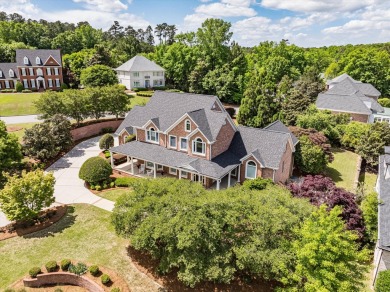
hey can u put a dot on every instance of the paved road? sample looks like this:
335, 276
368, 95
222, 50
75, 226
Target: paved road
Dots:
69, 188
20, 119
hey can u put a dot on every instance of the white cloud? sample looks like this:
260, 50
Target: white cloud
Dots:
104, 5
23, 7
225, 10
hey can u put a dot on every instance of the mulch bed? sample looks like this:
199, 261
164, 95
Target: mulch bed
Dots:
18, 229
11, 128
147, 265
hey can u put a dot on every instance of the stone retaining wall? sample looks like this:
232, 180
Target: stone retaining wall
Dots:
62, 278
93, 129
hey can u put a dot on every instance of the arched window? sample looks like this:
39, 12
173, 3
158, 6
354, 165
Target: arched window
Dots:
25, 61
251, 170
152, 135
38, 60
39, 72
198, 146
11, 73
187, 126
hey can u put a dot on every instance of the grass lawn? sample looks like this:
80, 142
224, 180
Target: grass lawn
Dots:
18, 129
84, 234
138, 100
343, 169
369, 180
114, 194
16, 104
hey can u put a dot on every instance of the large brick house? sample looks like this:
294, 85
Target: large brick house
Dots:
191, 136
37, 70
346, 95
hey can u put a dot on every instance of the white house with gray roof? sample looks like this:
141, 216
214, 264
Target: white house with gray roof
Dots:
139, 72
191, 136
346, 95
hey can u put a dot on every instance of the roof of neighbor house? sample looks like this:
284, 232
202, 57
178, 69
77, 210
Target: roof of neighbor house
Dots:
383, 188
139, 64
266, 145
5, 67
33, 54
346, 96
340, 78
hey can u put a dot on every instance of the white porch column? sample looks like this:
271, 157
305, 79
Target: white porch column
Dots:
155, 170
179, 173
218, 184
132, 165
112, 159
127, 159
229, 178
239, 174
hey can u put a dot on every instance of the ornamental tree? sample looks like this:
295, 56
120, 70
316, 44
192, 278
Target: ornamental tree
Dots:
209, 235
322, 190
310, 158
353, 133
327, 256
98, 75
106, 142
10, 149
24, 197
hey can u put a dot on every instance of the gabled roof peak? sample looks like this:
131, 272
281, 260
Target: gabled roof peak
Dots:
139, 64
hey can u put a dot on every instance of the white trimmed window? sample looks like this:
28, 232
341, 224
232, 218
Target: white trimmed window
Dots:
136, 84
135, 74
38, 60
159, 167
24, 72
56, 71
149, 165
152, 135
25, 61
48, 71
250, 170
187, 126
11, 73
198, 146
32, 83
183, 144
50, 82
25, 83
31, 71
58, 84
39, 72
183, 174
172, 141
173, 171
6, 84
234, 172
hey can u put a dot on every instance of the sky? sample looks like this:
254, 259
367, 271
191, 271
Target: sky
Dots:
307, 23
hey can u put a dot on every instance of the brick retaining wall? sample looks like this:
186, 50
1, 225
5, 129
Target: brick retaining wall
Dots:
62, 278
93, 129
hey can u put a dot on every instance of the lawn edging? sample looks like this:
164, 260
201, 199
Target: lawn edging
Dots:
357, 175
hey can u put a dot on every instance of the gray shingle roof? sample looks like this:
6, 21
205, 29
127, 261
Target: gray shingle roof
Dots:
384, 206
5, 67
267, 146
278, 126
340, 78
169, 107
32, 54
139, 64
368, 89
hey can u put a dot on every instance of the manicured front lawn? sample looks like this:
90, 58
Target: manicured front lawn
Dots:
84, 234
16, 104
343, 169
138, 100
369, 180
19, 129
113, 194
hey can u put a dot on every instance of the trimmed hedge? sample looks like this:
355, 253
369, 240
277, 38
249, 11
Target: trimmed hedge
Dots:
95, 170
106, 142
65, 263
51, 266
126, 181
34, 272
257, 183
382, 283
19, 87
145, 94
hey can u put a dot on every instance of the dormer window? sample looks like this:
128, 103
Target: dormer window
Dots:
38, 60
187, 126
25, 61
199, 147
11, 73
152, 135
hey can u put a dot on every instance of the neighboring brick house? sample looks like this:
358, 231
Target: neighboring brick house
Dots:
140, 72
37, 70
192, 136
346, 95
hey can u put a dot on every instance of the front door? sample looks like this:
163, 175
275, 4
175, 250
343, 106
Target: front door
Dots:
147, 83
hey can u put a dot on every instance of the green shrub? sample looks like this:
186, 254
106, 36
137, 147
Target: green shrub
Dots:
19, 87
94, 270
65, 263
382, 283
106, 142
116, 289
26, 91
64, 86
105, 186
138, 89
79, 269
112, 184
105, 279
385, 102
98, 188
107, 154
34, 272
51, 266
231, 111
106, 130
129, 138
162, 88
92, 187
257, 183
58, 290
125, 181
95, 170
145, 94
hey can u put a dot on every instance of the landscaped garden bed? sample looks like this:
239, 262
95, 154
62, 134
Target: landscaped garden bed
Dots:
45, 219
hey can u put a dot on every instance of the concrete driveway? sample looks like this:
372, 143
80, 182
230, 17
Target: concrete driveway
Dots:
69, 188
